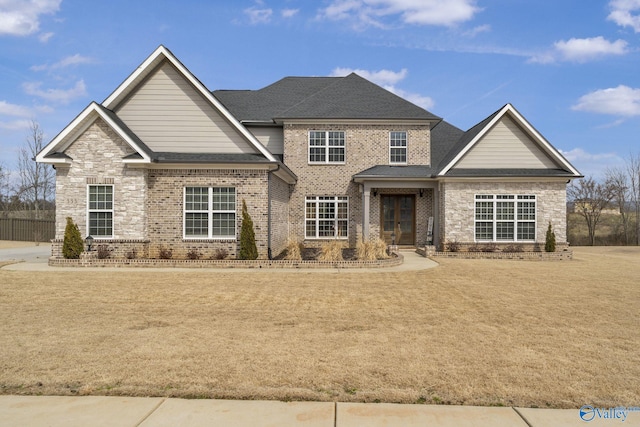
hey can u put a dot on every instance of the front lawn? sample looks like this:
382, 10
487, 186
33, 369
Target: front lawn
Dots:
476, 332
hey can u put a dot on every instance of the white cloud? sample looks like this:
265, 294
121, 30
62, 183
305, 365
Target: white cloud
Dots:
419, 12
59, 96
387, 79
289, 13
592, 164
622, 13
581, 50
44, 37
22, 17
258, 16
64, 62
8, 109
15, 125
477, 30
618, 101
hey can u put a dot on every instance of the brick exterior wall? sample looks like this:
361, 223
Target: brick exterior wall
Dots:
165, 207
279, 203
365, 146
457, 199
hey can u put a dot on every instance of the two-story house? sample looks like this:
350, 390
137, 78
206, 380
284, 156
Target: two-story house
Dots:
164, 162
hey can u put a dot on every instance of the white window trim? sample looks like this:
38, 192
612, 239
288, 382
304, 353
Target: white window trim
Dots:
88, 213
516, 199
209, 213
406, 148
316, 201
326, 148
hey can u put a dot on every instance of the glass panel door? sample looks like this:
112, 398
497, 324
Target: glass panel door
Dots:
397, 218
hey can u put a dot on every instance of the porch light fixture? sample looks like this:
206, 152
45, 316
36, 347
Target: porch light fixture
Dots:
375, 192
421, 192
89, 241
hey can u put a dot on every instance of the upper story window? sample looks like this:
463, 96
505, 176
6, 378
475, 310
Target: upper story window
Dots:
326, 147
505, 218
210, 213
100, 211
398, 147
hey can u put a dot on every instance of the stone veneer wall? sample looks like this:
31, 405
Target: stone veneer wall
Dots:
457, 199
279, 200
165, 207
97, 159
365, 146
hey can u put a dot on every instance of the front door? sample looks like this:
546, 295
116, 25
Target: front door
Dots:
398, 218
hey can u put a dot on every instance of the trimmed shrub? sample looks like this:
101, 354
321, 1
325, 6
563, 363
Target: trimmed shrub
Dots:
104, 251
72, 245
165, 253
193, 254
132, 254
220, 254
453, 246
550, 240
331, 251
248, 249
513, 248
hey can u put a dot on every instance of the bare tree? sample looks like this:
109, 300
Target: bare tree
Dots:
4, 194
618, 181
36, 179
633, 173
590, 198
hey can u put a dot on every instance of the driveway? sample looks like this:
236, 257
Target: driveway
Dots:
21, 252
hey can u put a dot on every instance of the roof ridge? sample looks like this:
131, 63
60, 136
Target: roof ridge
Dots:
338, 79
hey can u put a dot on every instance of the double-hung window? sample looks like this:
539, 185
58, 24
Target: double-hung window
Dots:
326, 147
398, 147
326, 217
100, 211
210, 213
505, 218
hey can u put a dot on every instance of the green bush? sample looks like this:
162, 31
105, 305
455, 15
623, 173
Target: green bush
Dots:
248, 249
72, 245
550, 240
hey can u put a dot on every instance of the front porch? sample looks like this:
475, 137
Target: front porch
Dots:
402, 211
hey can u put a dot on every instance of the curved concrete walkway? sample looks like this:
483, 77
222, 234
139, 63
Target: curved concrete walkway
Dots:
96, 411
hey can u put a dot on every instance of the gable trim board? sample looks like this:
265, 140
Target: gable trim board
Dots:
78, 126
529, 130
150, 65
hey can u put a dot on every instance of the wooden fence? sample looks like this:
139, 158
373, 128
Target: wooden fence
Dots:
27, 230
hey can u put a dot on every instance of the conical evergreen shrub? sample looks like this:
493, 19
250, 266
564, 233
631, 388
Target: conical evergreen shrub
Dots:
72, 245
550, 240
248, 249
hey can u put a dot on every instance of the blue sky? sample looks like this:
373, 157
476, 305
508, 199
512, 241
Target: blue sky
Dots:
571, 67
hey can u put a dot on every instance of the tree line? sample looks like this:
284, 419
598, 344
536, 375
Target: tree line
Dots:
620, 190
30, 191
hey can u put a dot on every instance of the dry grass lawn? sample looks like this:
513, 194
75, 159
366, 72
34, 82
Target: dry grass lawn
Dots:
526, 333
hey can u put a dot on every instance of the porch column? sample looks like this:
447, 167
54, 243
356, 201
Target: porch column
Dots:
365, 214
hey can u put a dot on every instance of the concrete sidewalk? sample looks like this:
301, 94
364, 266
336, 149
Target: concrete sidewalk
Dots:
96, 411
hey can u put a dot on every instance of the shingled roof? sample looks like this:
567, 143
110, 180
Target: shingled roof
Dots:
350, 97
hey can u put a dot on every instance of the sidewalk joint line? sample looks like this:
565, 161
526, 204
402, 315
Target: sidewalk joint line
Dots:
335, 414
154, 409
522, 416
